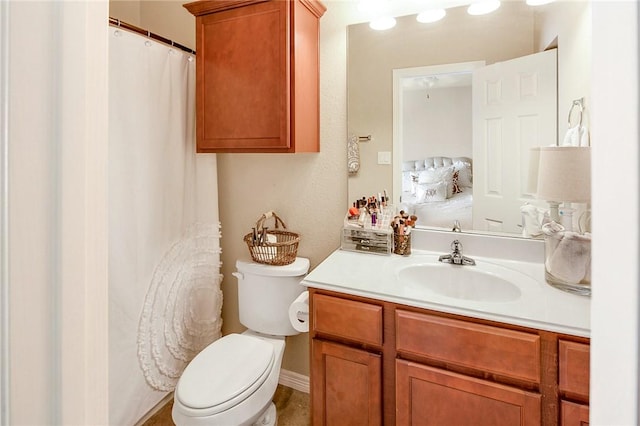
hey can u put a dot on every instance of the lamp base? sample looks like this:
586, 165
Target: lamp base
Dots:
567, 262
582, 289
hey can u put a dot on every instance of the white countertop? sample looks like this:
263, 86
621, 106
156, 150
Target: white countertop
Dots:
540, 306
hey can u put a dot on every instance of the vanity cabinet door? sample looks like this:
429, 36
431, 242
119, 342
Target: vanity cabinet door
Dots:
430, 396
346, 385
572, 414
257, 75
573, 382
574, 370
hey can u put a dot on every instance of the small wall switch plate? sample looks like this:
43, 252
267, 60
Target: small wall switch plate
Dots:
384, 157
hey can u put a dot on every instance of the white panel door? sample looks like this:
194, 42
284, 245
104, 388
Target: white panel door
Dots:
514, 109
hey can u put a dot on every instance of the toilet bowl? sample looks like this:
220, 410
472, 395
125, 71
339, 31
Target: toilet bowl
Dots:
233, 380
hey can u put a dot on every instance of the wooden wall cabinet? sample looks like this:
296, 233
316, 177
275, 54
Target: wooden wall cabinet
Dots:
375, 362
257, 75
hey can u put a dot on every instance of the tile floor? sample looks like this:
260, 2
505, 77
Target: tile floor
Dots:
292, 407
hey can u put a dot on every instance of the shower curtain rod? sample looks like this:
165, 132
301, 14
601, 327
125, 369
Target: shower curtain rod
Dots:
118, 23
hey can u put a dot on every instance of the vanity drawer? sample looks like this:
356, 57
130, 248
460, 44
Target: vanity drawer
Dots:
485, 348
349, 319
574, 368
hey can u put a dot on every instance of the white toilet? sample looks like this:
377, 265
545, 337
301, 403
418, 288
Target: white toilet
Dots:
233, 380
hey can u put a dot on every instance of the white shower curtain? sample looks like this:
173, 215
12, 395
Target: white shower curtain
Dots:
164, 250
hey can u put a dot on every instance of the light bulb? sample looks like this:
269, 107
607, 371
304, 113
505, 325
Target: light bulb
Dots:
483, 7
429, 16
383, 23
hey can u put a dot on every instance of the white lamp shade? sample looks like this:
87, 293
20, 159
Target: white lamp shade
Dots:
532, 176
564, 174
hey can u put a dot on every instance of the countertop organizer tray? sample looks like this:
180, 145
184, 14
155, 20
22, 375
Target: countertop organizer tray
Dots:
377, 241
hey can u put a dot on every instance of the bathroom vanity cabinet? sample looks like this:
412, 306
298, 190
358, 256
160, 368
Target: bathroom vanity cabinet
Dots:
376, 362
257, 85
574, 382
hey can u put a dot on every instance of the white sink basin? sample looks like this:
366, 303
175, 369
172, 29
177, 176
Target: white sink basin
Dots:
484, 282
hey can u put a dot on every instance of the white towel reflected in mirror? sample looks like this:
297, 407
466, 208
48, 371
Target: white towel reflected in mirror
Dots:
576, 136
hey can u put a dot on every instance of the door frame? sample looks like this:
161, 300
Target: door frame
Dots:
399, 74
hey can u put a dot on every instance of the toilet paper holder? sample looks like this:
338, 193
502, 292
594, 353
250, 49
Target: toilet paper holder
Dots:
299, 312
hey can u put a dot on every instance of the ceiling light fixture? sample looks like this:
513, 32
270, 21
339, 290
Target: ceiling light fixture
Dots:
483, 7
379, 13
539, 2
429, 16
383, 23
372, 6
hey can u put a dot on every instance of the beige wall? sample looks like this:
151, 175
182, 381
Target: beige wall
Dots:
126, 11
567, 24
439, 125
163, 17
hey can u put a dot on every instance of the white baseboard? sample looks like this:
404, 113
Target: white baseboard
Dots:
294, 380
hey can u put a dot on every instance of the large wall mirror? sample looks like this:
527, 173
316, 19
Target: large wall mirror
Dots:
421, 92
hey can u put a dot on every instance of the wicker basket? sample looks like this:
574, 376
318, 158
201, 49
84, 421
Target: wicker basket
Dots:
272, 246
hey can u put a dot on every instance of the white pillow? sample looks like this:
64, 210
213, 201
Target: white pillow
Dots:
428, 192
438, 174
464, 173
432, 175
407, 182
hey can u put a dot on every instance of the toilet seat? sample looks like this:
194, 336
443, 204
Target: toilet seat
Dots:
225, 373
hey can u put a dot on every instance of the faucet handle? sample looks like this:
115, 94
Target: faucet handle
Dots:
456, 226
456, 246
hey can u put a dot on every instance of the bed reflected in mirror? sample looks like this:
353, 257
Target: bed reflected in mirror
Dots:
439, 191
432, 132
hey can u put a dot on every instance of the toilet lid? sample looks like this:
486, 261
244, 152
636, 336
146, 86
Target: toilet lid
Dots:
225, 372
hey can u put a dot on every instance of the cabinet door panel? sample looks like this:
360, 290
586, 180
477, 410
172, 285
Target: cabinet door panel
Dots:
574, 369
346, 387
430, 396
572, 414
243, 78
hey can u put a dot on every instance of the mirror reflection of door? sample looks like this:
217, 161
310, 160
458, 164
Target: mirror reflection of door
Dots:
433, 130
514, 110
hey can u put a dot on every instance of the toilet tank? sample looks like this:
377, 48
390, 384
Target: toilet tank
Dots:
265, 293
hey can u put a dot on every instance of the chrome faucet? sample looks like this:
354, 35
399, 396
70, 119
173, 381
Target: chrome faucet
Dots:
456, 257
456, 226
